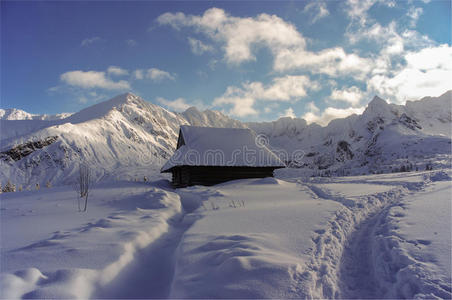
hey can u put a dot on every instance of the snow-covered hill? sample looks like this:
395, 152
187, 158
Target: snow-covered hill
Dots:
127, 137
113, 137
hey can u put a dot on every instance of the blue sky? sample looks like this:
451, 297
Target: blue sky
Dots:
256, 60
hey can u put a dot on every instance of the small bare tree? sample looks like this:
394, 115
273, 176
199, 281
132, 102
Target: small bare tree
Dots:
82, 185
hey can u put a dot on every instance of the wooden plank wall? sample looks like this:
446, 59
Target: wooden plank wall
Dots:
198, 175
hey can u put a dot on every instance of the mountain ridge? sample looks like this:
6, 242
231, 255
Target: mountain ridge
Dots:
127, 137
19, 114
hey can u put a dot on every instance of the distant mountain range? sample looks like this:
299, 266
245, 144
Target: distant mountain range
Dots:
383, 138
18, 114
127, 138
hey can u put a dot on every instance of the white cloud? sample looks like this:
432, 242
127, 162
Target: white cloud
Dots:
83, 100
431, 58
154, 74
178, 104
89, 41
131, 43
329, 114
138, 74
92, 79
198, 47
238, 35
289, 113
333, 62
318, 9
241, 106
92, 96
391, 39
312, 107
414, 13
113, 70
287, 88
212, 64
53, 89
352, 95
427, 73
158, 75
357, 10
241, 37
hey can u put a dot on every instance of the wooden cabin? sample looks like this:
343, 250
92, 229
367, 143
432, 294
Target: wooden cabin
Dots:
207, 156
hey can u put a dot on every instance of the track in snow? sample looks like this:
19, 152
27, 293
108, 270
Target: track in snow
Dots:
150, 274
356, 271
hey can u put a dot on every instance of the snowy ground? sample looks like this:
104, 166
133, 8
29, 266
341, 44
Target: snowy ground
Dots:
373, 236
49, 249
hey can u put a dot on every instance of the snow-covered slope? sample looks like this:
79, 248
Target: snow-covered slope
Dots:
18, 114
127, 137
124, 133
210, 118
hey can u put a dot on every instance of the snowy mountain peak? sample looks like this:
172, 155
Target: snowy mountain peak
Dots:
377, 102
124, 98
378, 108
102, 109
14, 114
129, 98
191, 110
209, 118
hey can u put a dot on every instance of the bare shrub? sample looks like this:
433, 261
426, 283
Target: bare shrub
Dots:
214, 206
236, 204
9, 187
82, 185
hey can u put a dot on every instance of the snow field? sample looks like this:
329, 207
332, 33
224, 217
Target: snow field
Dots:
74, 262
274, 239
285, 241
257, 248
330, 244
413, 239
370, 236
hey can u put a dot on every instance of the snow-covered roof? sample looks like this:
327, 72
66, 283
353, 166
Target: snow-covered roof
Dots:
231, 147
